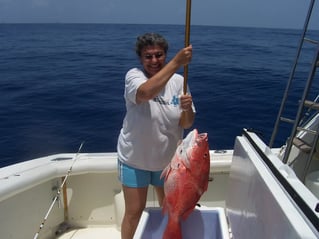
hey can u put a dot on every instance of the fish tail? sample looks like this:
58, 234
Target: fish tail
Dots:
173, 229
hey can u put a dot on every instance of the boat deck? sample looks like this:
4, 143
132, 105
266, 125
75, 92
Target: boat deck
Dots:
92, 232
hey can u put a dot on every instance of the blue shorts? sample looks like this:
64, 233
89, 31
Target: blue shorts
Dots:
138, 178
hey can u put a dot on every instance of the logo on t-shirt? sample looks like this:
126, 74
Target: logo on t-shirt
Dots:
162, 101
175, 101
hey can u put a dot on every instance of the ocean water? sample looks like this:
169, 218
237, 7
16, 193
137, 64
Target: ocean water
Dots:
62, 84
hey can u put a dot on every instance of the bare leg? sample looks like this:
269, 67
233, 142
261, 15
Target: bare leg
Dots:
160, 195
135, 201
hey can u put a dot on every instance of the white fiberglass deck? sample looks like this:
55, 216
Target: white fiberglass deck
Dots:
92, 232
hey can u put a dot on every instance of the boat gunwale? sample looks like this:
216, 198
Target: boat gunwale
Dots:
22, 176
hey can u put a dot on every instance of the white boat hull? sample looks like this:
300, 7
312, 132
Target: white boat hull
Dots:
93, 200
91, 206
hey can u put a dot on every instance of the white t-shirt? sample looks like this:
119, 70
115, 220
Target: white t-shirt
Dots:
150, 131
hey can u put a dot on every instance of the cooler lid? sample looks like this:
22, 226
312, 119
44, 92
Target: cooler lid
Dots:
257, 204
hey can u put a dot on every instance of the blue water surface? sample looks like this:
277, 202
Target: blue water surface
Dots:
62, 84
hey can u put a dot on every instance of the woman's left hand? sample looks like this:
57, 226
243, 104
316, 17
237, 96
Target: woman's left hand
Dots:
186, 102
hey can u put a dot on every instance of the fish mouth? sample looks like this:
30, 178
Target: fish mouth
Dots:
202, 137
199, 136
192, 140
194, 137
187, 144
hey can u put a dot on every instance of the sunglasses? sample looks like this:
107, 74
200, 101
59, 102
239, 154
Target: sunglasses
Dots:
157, 55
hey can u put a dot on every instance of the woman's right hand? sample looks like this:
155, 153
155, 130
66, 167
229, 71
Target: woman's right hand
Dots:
184, 56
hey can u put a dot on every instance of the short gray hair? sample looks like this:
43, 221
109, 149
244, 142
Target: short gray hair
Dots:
150, 39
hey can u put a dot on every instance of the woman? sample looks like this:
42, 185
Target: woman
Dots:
156, 114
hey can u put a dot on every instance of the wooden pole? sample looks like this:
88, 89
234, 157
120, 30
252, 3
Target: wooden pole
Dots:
65, 201
187, 41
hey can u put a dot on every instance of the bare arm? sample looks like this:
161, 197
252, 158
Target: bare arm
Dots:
187, 115
156, 83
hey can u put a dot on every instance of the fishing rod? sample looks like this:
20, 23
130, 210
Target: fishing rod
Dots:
187, 37
59, 191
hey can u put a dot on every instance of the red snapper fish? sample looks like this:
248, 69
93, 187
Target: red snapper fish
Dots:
185, 180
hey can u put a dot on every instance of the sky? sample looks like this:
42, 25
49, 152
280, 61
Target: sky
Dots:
247, 13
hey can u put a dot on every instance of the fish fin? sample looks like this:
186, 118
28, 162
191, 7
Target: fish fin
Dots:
173, 229
166, 172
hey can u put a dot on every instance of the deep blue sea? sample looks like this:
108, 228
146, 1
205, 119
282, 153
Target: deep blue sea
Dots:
62, 84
